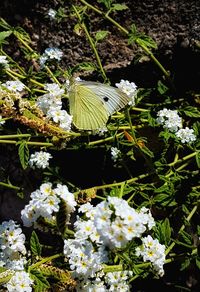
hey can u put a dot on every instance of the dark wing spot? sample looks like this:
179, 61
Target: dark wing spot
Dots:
105, 98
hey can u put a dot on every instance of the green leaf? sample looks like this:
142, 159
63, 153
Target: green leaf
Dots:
140, 38
186, 237
35, 244
101, 34
119, 7
198, 262
107, 3
191, 111
40, 280
162, 89
5, 275
4, 35
198, 159
23, 153
147, 151
185, 264
62, 217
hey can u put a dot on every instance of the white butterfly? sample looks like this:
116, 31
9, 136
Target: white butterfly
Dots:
91, 103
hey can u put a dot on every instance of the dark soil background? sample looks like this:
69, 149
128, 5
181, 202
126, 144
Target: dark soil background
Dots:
174, 25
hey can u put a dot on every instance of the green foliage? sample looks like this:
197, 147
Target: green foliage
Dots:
40, 280
23, 152
35, 244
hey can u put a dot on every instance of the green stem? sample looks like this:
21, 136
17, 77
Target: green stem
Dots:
91, 43
182, 159
125, 31
45, 260
15, 136
189, 217
9, 186
46, 144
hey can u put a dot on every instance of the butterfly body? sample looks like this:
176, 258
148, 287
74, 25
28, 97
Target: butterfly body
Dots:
91, 103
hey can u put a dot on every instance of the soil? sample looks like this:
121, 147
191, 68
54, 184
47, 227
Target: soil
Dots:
173, 24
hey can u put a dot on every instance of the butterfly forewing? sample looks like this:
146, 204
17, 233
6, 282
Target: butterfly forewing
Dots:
87, 109
112, 97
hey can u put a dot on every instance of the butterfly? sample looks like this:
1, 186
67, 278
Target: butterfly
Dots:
92, 103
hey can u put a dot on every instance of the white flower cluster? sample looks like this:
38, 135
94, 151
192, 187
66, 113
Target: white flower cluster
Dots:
50, 54
39, 159
20, 282
112, 281
85, 260
45, 203
12, 246
116, 227
51, 105
173, 122
169, 119
12, 257
4, 61
115, 153
14, 86
129, 88
151, 250
186, 135
109, 225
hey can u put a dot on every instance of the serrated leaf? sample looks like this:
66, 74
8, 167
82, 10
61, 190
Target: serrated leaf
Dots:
161, 87
186, 237
185, 264
5, 275
101, 34
119, 7
35, 244
62, 217
23, 153
191, 111
40, 280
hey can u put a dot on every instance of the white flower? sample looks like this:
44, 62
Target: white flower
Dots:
53, 53
20, 282
47, 102
169, 119
115, 153
63, 192
186, 135
54, 89
39, 159
15, 86
3, 61
129, 88
52, 13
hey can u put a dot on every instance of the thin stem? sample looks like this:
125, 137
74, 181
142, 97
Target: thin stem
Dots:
45, 260
15, 136
125, 31
9, 186
182, 159
91, 43
46, 144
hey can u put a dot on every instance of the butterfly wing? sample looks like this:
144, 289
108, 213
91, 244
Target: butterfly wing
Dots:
87, 109
113, 98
